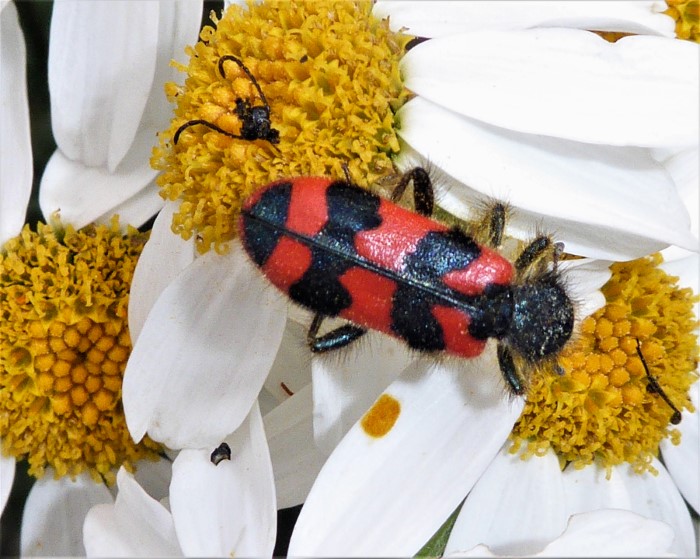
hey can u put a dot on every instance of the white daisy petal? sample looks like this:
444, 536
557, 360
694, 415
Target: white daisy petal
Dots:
611, 533
16, 162
52, 522
603, 202
388, 495
136, 525
178, 27
684, 168
683, 460
82, 194
346, 385
203, 353
155, 476
226, 510
7, 476
292, 367
655, 497
515, 508
113, 59
162, 259
437, 18
601, 533
565, 83
296, 460
584, 278
136, 210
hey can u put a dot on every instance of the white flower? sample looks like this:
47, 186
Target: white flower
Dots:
91, 85
107, 66
217, 510
203, 342
16, 162
516, 115
212, 336
556, 121
605, 533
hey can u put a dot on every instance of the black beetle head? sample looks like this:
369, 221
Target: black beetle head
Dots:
542, 320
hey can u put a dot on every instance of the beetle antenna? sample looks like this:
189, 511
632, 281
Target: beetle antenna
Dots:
655, 387
206, 123
247, 73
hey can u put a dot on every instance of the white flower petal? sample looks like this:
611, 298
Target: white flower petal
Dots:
655, 497
611, 533
565, 83
515, 508
603, 202
136, 210
684, 168
296, 461
178, 27
16, 162
52, 522
601, 533
203, 353
112, 61
7, 476
136, 525
388, 495
155, 477
226, 510
162, 259
437, 18
346, 385
683, 460
291, 370
584, 278
82, 194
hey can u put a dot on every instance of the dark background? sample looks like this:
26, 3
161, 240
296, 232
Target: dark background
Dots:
35, 19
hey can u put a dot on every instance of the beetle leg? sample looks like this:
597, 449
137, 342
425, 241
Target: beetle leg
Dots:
509, 371
335, 339
535, 256
423, 195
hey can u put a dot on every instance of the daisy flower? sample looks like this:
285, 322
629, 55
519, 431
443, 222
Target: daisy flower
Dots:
401, 440
64, 289
210, 509
604, 533
449, 124
104, 129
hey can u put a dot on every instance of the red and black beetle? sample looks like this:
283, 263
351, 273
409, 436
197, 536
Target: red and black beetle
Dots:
342, 251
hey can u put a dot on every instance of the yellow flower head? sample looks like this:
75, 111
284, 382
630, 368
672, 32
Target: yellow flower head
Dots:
606, 407
64, 343
329, 71
687, 16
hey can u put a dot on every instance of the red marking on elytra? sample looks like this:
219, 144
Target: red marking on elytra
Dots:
371, 298
397, 236
308, 210
455, 331
489, 268
288, 262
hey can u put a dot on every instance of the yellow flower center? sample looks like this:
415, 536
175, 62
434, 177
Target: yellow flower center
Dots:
604, 408
329, 71
687, 16
64, 344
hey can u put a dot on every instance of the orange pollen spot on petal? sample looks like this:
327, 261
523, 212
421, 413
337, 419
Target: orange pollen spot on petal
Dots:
381, 417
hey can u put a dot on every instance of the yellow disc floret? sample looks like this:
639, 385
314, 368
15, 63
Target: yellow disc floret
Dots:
605, 407
687, 16
329, 71
64, 343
